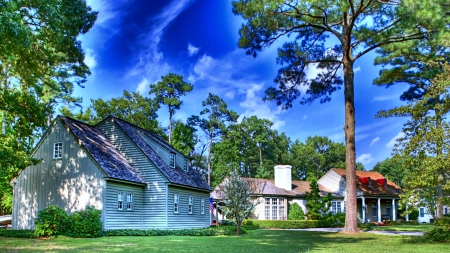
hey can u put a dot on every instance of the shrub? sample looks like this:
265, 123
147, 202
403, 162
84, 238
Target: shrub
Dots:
18, 233
335, 220
51, 221
211, 231
296, 212
414, 214
447, 215
444, 221
228, 223
438, 234
285, 224
86, 223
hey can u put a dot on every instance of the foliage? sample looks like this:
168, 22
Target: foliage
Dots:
438, 234
85, 223
414, 214
296, 212
131, 107
285, 224
335, 219
394, 169
309, 24
18, 233
211, 231
317, 207
168, 92
444, 221
238, 203
41, 59
216, 116
184, 137
52, 221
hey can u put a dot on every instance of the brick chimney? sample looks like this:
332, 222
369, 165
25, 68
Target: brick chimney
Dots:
283, 177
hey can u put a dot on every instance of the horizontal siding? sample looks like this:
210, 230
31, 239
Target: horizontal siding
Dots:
183, 219
154, 194
164, 154
120, 219
72, 183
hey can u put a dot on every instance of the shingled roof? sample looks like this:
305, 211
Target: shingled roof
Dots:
175, 175
111, 161
374, 188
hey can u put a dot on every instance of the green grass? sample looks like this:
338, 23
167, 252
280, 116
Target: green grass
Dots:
254, 241
406, 227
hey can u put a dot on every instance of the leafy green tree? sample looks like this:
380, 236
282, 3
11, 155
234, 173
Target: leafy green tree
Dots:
394, 168
296, 212
40, 60
317, 207
425, 145
168, 92
184, 138
358, 28
131, 107
216, 117
238, 202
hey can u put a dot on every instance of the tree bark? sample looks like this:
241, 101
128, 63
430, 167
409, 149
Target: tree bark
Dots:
351, 225
209, 159
440, 174
170, 128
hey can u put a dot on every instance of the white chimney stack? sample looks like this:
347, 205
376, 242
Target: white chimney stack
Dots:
283, 178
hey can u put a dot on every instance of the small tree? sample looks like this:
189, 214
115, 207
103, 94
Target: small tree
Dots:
296, 212
317, 206
238, 202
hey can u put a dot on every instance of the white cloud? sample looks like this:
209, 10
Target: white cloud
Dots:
255, 106
229, 94
192, 50
392, 142
90, 59
384, 98
364, 159
142, 86
357, 69
374, 141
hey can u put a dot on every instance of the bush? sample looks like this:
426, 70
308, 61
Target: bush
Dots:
414, 214
296, 212
51, 221
228, 223
335, 220
18, 233
285, 224
444, 221
211, 231
86, 223
438, 234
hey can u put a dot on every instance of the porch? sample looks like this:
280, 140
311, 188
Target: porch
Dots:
377, 209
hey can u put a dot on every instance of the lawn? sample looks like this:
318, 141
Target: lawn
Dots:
406, 227
254, 241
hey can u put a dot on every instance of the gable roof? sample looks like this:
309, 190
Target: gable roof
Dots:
111, 161
176, 175
374, 188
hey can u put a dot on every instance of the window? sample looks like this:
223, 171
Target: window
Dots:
191, 200
175, 203
336, 207
374, 209
120, 201
422, 212
172, 160
281, 209
130, 201
57, 150
274, 208
445, 210
267, 209
202, 206
388, 208
185, 167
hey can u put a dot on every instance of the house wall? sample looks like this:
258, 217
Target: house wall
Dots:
164, 154
154, 194
428, 217
115, 218
334, 182
183, 219
72, 183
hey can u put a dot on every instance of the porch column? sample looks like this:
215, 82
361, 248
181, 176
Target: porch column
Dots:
407, 215
217, 213
394, 210
363, 209
379, 210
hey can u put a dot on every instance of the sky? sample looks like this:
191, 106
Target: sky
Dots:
134, 43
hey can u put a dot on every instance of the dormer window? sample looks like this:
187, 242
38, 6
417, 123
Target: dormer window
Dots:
185, 167
172, 160
57, 150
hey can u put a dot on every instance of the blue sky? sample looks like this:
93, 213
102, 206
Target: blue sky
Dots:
134, 43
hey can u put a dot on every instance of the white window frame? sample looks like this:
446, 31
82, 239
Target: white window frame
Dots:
129, 203
336, 207
172, 159
267, 208
191, 205
176, 200
120, 201
202, 206
185, 166
421, 212
281, 209
57, 150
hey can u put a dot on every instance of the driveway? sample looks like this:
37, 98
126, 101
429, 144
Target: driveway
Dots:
365, 231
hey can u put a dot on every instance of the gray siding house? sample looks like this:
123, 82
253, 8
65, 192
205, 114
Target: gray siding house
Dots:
133, 175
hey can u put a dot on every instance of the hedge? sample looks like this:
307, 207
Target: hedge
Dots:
211, 231
286, 224
22, 233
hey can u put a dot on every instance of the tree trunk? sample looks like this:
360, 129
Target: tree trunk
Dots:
260, 153
440, 174
351, 225
170, 128
209, 159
